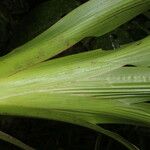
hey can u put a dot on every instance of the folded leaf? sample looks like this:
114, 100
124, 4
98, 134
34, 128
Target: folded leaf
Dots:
94, 82
94, 18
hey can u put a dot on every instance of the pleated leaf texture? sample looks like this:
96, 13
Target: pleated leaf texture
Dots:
94, 18
86, 89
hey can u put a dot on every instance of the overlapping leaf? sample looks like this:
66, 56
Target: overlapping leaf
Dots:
83, 89
94, 18
91, 85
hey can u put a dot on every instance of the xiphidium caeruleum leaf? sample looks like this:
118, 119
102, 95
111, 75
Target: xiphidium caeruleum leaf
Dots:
94, 18
39, 19
12, 140
81, 89
84, 89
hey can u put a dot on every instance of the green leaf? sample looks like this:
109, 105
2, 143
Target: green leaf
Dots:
94, 18
93, 82
71, 118
83, 89
12, 140
39, 19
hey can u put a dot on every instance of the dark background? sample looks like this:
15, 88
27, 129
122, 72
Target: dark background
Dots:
21, 21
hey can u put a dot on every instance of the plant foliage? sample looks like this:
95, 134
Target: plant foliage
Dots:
87, 89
